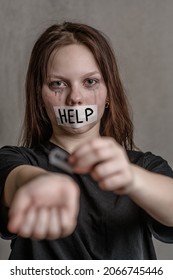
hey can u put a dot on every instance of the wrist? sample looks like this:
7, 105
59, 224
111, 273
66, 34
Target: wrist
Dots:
137, 182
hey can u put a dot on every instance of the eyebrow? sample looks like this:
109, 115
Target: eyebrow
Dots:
62, 77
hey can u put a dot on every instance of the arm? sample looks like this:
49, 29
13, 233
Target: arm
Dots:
108, 164
42, 204
154, 193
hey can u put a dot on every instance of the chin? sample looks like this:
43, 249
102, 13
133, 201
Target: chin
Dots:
80, 130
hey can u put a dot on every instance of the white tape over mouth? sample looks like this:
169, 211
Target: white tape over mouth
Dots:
75, 116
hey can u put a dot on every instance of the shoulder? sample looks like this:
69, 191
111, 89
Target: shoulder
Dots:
13, 156
151, 162
23, 155
14, 152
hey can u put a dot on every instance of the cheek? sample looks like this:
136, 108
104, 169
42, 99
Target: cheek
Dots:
51, 98
101, 101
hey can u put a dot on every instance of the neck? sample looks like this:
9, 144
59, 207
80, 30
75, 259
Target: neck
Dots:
70, 142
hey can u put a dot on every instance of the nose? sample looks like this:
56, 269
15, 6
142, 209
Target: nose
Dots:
74, 97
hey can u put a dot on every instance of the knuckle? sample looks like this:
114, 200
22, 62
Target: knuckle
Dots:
99, 152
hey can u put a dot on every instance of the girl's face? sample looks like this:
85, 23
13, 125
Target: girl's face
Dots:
73, 79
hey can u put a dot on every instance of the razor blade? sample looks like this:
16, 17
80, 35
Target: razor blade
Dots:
59, 158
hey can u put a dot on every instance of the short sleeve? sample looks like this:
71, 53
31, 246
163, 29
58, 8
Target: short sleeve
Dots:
10, 157
158, 165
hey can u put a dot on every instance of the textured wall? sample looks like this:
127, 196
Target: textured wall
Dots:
142, 35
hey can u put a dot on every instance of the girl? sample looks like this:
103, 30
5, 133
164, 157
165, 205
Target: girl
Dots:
116, 197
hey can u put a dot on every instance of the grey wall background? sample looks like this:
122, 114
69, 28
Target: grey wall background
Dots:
141, 32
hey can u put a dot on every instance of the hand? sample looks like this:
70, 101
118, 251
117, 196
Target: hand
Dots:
107, 162
46, 207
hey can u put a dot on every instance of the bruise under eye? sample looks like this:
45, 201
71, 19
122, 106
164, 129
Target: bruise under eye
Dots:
56, 85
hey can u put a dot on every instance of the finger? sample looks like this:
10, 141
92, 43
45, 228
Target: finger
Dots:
20, 204
116, 182
87, 162
85, 148
41, 224
54, 228
68, 222
27, 226
107, 168
69, 211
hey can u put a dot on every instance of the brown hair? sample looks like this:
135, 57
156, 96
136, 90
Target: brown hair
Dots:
116, 121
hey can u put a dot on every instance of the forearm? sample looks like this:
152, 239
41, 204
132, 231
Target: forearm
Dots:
154, 193
17, 178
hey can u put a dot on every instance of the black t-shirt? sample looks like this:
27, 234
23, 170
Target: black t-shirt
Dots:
109, 226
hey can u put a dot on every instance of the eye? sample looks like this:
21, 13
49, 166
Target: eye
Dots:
55, 85
90, 82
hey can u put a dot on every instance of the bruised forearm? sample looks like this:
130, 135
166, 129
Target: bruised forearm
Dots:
154, 193
17, 178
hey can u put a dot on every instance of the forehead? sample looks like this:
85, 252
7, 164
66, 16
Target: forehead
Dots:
71, 57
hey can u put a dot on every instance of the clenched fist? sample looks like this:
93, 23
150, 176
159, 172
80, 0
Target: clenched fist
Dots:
45, 207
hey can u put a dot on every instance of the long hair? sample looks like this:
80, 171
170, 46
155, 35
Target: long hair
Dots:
116, 121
